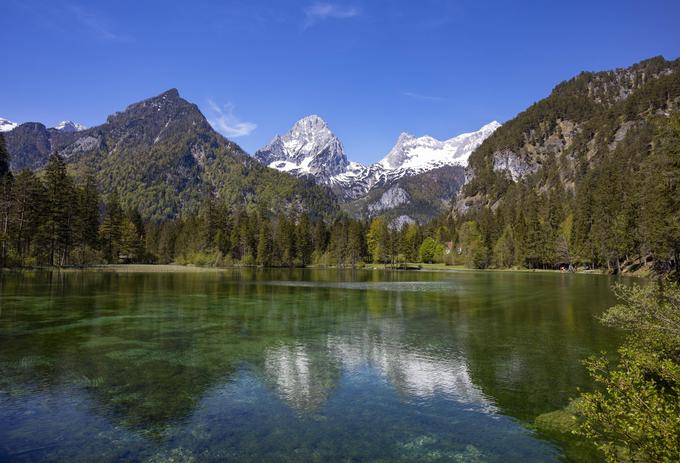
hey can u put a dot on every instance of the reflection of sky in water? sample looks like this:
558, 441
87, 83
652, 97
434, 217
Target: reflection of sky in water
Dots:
363, 419
202, 368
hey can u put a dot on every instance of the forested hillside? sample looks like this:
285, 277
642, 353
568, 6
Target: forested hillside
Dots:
590, 175
56, 219
416, 198
162, 158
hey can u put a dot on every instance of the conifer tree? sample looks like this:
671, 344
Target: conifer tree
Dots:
303, 240
60, 197
111, 229
377, 240
264, 244
88, 213
28, 213
4, 158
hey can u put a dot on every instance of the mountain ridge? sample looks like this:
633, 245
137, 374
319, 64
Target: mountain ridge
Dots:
318, 153
588, 174
163, 157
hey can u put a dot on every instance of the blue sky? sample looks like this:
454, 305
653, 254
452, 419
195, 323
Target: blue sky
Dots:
372, 69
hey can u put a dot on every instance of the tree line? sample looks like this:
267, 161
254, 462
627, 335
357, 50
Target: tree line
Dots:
51, 219
624, 207
622, 211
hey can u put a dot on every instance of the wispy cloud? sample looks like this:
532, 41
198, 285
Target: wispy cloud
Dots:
421, 97
226, 122
96, 24
321, 11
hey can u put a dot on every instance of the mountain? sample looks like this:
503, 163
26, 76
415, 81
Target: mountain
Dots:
589, 174
412, 198
419, 154
7, 125
69, 126
311, 150
573, 129
162, 156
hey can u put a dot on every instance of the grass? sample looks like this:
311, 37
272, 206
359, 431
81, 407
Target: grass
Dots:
177, 268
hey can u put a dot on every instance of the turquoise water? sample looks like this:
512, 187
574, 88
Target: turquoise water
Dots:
292, 366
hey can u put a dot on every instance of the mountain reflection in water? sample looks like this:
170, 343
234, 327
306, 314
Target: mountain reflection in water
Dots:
290, 366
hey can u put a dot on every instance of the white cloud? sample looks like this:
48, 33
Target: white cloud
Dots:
226, 122
321, 11
420, 96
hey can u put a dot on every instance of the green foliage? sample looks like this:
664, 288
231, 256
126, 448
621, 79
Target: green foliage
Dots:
60, 197
504, 249
377, 240
428, 250
4, 157
603, 185
111, 229
635, 413
473, 250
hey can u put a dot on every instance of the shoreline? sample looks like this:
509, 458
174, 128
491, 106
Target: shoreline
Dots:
179, 268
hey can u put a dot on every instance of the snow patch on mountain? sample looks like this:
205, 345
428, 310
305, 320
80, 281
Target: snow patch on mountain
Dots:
69, 126
7, 125
420, 154
311, 149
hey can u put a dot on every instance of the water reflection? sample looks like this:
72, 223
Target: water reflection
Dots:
295, 366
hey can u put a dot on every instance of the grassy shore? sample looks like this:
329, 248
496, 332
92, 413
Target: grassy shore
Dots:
177, 268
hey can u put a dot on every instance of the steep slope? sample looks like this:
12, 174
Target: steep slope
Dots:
590, 174
414, 198
162, 156
571, 130
311, 150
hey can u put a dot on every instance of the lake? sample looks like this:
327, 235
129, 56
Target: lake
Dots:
292, 366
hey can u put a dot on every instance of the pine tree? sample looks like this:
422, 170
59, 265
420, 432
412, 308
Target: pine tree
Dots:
111, 229
303, 241
131, 247
377, 240
264, 244
4, 158
660, 196
60, 197
355, 242
504, 249
88, 213
473, 248
410, 238
6, 204
28, 213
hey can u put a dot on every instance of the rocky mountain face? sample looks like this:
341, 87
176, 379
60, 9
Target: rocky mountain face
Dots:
564, 136
413, 198
162, 156
311, 150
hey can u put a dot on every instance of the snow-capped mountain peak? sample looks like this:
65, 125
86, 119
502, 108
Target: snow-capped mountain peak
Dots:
69, 126
419, 154
309, 148
7, 125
